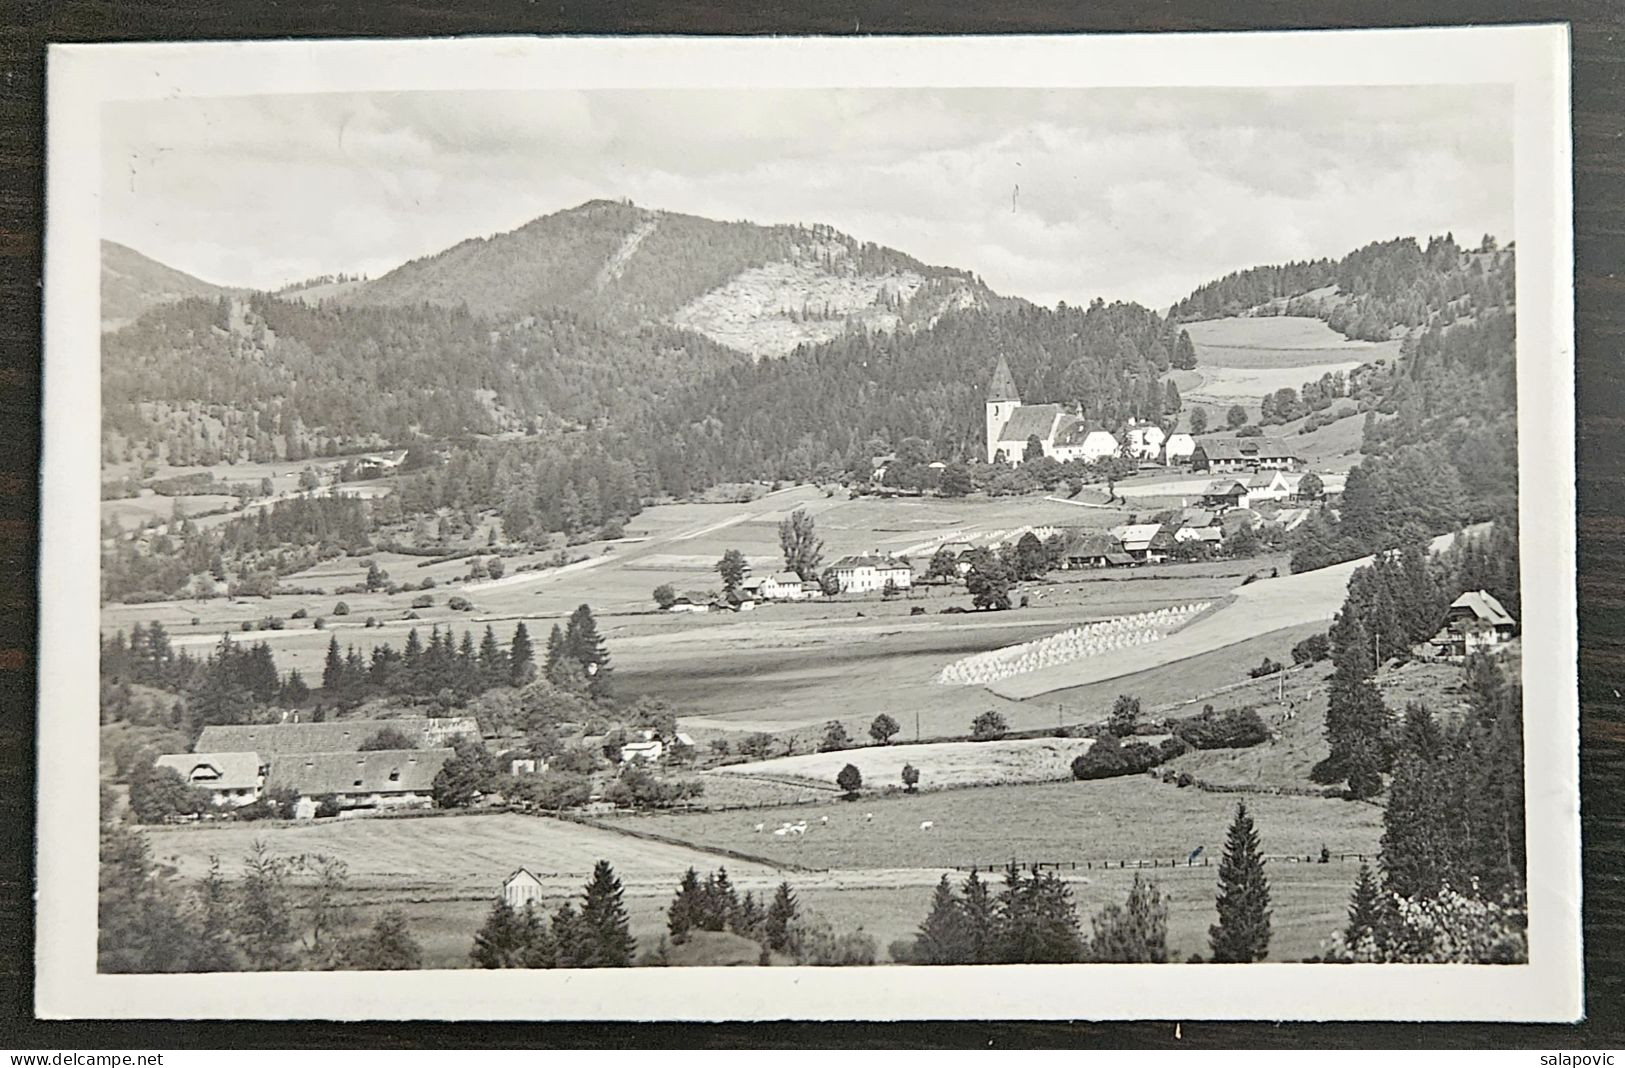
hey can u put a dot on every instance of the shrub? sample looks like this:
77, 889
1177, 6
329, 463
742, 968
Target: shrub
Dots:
422, 600
850, 779
372, 621
1314, 648
341, 609
1250, 432
320, 623
327, 806
989, 726
459, 604
1107, 759
1234, 729
299, 613
665, 595
1266, 667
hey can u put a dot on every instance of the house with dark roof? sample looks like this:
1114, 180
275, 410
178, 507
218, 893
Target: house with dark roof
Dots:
230, 778
381, 778
1244, 454
1223, 494
1145, 542
331, 736
1095, 550
1474, 622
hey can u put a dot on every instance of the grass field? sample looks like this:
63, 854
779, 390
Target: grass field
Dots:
1134, 817
1013, 760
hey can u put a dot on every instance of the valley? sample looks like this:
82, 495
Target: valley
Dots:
690, 542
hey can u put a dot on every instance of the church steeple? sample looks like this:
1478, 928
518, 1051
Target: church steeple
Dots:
1003, 386
1002, 402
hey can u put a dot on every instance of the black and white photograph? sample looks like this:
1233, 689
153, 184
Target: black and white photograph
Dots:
569, 506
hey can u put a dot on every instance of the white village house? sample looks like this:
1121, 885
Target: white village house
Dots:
521, 889
1061, 435
866, 574
1178, 448
230, 778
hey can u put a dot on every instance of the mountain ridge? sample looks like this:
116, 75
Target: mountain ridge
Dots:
132, 283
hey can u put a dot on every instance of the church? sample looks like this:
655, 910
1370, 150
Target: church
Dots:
1062, 435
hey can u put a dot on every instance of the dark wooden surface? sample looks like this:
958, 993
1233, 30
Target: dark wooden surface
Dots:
1599, 156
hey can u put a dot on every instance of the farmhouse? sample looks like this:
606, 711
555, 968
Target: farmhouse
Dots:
1178, 448
230, 778
1062, 435
1475, 621
1094, 551
1225, 493
332, 736
1213, 536
782, 586
521, 889
377, 465
648, 751
1273, 486
1145, 542
382, 778
1244, 454
865, 574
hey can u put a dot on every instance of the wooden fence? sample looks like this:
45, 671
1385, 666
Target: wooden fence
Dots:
1150, 863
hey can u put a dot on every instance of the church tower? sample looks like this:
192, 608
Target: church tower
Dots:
1002, 402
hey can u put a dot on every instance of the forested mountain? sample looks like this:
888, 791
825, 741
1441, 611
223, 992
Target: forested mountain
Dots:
1372, 294
132, 283
760, 289
265, 378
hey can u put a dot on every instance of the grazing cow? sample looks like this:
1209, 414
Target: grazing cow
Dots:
781, 832
824, 820
799, 829
868, 817
927, 825
759, 827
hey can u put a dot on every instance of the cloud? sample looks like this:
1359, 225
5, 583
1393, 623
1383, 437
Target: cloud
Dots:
1052, 195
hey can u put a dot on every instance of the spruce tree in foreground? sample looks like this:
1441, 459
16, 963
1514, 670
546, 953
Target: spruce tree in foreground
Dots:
981, 916
1135, 932
1242, 934
942, 937
780, 915
1365, 908
606, 937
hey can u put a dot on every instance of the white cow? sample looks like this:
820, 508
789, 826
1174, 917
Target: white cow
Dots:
759, 827
868, 817
927, 825
824, 820
781, 832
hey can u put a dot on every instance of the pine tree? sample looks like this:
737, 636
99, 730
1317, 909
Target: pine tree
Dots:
1037, 920
333, 669
264, 912
605, 934
1365, 908
500, 941
942, 937
1135, 932
572, 944
1242, 934
781, 914
553, 666
683, 914
521, 657
982, 932
389, 946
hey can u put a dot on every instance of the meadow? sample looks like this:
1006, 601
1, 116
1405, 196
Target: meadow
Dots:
1011, 760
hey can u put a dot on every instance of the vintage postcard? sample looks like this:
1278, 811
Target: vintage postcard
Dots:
1007, 527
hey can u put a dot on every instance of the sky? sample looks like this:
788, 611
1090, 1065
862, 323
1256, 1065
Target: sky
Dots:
1052, 195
